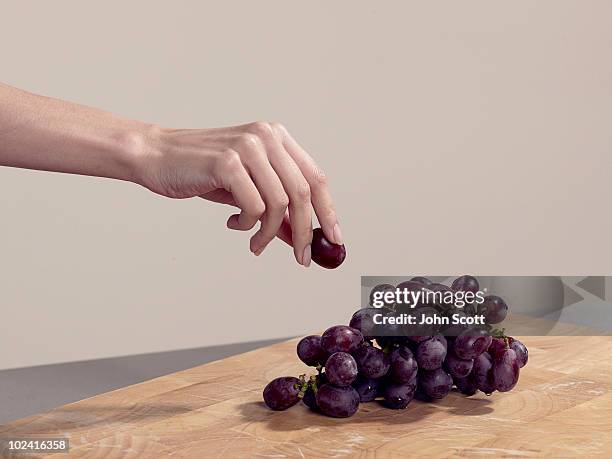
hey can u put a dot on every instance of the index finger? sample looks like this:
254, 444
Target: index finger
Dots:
320, 196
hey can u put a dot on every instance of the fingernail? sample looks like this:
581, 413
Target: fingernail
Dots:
306, 256
259, 250
338, 235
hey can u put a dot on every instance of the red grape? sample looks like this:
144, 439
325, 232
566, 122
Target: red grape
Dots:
310, 352
371, 361
403, 365
337, 402
435, 384
505, 370
430, 354
282, 393
325, 253
341, 338
341, 369
398, 396
494, 309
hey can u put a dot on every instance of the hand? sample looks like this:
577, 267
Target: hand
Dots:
256, 167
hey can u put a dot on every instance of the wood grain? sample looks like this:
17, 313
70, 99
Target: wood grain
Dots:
562, 407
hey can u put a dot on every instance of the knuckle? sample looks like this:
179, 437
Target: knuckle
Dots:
230, 162
249, 142
278, 128
261, 129
319, 176
302, 192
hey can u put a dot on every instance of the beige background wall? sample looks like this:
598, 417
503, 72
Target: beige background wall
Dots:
459, 136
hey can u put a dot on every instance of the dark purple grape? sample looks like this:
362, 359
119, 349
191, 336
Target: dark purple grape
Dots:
398, 396
430, 354
403, 365
406, 304
309, 398
310, 352
466, 284
494, 309
341, 369
435, 384
363, 320
458, 368
325, 253
282, 393
498, 345
471, 343
442, 339
367, 388
422, 280
337, 402
341, 338
505, 370
467, 386
482, 373
522, 354
381, 290
371, 361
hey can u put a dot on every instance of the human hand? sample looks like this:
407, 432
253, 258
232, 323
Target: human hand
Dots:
256, 167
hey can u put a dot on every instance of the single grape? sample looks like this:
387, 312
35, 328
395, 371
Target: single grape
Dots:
403, 365
377, 296
467, 386
341, 369
522, 354
325, 253
310, 399
282, 393
466, 284
505, 370
458, 368
341, 338
498, 345
421, 280
435, 384
482, 373
430, 354
371, 361
363, 320
442, 339
310, 352
494, 309
471, 343
337, 402
398, 396
367, 388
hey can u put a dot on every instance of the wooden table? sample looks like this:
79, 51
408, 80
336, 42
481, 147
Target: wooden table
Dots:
562, 407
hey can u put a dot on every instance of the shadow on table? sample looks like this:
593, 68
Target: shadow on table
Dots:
300, 417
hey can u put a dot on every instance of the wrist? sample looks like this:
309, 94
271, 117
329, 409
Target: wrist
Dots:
137, 147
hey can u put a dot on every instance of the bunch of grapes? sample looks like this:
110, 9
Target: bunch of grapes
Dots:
355, 364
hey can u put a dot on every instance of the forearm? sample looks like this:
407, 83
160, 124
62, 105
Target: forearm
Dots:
48, 134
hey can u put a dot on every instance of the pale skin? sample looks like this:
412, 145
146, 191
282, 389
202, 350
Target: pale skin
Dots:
257, 167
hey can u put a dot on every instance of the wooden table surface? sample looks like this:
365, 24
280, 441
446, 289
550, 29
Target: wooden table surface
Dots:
561, 407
